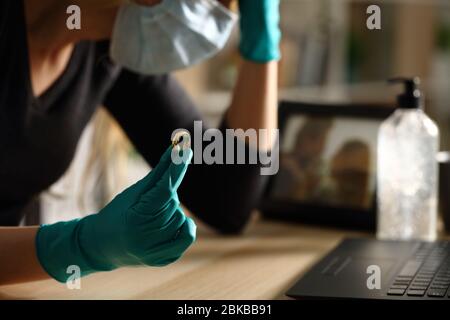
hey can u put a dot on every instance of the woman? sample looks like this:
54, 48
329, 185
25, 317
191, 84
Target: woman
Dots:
52, 79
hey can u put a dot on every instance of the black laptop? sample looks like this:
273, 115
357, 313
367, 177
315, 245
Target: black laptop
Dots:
374, 269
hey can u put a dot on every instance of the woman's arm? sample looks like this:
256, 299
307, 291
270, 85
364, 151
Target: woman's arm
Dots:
18, 260
255, 99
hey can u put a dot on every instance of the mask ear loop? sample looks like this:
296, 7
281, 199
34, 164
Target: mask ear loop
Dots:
181, 140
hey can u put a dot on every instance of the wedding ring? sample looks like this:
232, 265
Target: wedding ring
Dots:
181, 138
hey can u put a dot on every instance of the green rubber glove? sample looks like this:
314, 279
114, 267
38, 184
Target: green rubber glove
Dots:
260, 31
144, 225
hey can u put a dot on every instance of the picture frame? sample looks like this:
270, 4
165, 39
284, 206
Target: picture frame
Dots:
327, 173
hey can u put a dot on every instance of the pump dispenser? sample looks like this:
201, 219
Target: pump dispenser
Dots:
407, 171
412, 96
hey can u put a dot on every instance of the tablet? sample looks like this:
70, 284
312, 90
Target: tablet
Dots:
328, 156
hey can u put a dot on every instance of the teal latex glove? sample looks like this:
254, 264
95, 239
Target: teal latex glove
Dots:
260, 32
144, 225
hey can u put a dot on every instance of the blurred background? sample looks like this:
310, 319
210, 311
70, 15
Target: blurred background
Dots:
329, 55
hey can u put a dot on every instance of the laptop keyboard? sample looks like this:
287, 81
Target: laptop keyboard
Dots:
427, 273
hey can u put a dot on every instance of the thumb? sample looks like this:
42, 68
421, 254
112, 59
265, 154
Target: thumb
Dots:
155, 175
150, 180
181, 158
166, 188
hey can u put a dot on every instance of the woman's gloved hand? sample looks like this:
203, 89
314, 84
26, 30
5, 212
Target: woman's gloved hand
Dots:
144, 225
260, 31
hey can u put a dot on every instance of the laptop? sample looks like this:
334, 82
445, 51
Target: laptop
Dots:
375, 269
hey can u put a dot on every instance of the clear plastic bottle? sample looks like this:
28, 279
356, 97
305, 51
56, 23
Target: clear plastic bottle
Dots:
407, 171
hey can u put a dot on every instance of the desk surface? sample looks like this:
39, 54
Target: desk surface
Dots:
261, 264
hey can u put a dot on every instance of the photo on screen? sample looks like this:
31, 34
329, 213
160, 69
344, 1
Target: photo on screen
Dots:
328, 161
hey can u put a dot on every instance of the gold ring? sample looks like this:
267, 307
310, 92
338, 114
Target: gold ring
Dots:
181, 137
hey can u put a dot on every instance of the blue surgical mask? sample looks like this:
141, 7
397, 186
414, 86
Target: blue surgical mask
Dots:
172, 35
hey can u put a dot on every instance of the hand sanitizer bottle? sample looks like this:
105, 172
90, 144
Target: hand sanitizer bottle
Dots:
407, 171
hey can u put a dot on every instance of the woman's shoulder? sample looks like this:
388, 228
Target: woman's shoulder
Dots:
101, 47
100, 50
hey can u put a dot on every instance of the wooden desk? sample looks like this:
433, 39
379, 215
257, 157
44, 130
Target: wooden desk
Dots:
261, 264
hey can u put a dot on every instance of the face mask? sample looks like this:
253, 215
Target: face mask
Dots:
171, 35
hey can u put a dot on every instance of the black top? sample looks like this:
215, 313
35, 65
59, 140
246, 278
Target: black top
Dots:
39, 135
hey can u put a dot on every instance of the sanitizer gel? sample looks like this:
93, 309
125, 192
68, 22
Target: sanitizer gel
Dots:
407, 172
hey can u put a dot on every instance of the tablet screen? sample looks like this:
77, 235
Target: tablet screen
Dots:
329, 161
